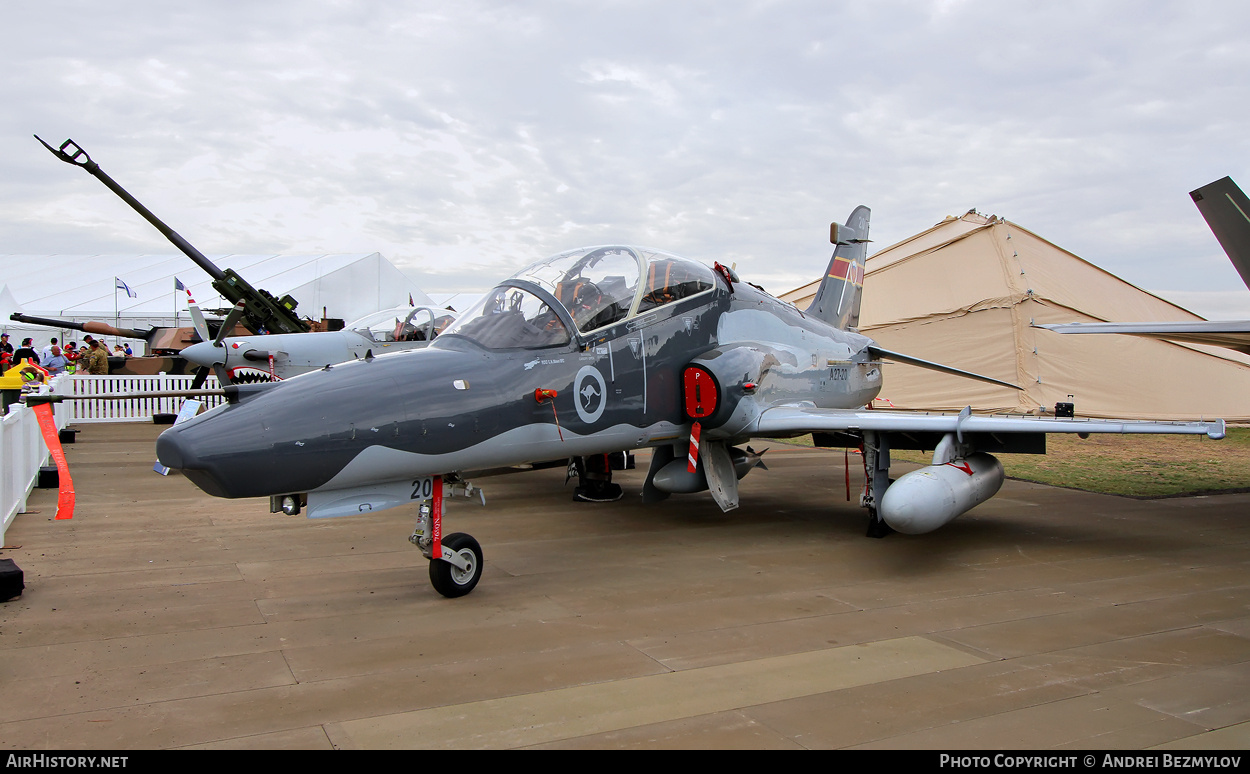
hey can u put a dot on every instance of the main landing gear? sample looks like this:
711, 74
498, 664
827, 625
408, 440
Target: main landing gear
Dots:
456, 559
594, 476
877, 472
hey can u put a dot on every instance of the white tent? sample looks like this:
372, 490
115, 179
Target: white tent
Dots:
82, 288
965, 293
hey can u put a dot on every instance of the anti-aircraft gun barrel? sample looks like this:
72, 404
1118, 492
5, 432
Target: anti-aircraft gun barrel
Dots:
262, 312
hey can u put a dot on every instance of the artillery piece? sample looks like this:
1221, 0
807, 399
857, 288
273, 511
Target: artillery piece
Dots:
262, 311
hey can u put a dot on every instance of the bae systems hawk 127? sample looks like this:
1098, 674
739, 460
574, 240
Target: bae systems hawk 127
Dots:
595, 351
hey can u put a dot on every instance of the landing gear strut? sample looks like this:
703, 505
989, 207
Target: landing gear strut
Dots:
455, 560
594, 476
877, 471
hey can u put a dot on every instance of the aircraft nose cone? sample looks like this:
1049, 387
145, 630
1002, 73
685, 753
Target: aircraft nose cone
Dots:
205, 354
174, 451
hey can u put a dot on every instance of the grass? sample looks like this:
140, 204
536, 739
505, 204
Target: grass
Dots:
1128, 465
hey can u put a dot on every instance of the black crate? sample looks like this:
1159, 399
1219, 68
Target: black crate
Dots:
11, 580
49, 478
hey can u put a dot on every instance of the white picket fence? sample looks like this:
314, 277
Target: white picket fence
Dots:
130, 409
22, 449
22, 453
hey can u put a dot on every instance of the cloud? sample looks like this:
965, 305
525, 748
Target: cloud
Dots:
465, 139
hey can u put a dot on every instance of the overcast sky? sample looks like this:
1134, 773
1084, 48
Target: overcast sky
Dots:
465, 139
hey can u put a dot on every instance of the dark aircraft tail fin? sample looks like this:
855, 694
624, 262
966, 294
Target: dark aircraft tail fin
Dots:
837, 300
1227, 212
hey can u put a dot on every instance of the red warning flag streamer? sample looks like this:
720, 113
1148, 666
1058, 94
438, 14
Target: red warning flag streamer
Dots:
47, 426
436, 519
846, 462
541, 395
692, 459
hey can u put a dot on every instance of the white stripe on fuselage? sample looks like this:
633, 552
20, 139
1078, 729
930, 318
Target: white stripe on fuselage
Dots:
529, 443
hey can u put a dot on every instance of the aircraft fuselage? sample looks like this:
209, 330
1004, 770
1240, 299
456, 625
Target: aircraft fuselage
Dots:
458, 406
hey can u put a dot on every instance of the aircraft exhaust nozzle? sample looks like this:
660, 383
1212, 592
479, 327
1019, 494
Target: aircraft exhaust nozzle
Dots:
926, 499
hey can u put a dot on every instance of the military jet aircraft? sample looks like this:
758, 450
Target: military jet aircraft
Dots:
600, 350
277, 356
1227, 211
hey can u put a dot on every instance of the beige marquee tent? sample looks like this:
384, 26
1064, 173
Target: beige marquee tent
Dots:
965, 293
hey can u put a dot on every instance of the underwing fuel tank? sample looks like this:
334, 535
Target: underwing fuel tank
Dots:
925, 499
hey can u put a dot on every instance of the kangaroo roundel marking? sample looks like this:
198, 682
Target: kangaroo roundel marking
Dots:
592, 394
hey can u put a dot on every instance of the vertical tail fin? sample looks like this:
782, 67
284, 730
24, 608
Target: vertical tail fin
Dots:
837, 300
1227, 212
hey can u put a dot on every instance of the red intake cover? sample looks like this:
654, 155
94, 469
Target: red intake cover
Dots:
700, 391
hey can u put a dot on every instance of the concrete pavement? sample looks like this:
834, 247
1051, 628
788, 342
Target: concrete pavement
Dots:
160, 617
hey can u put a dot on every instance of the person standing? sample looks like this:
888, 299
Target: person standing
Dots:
71, 356
97, 359
56, 362
46, 352
5, 346
26, 352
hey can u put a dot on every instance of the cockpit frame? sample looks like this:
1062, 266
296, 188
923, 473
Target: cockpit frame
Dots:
600, 302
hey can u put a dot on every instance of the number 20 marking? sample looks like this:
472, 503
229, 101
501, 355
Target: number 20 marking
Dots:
423, 488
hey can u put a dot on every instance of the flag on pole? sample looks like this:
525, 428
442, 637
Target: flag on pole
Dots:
179, 286
410, 303
123, 286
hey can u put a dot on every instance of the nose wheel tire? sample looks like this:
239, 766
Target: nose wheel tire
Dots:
448, 579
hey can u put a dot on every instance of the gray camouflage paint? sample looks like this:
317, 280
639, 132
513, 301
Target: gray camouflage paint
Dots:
352, 434
456, 406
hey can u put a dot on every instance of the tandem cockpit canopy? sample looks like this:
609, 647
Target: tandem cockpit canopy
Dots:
581, 290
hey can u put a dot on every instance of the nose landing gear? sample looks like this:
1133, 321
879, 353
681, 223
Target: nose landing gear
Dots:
455, 560
456, 575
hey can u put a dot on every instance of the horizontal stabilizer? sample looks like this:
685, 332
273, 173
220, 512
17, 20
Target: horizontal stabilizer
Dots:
898, 357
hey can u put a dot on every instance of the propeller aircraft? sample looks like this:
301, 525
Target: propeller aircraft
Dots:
276, 356
596, 351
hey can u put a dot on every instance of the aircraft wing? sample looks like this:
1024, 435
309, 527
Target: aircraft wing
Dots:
1227, 211
1233, 334
784, 421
